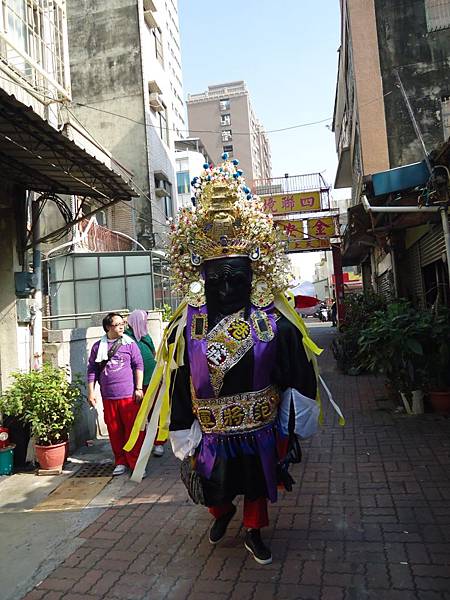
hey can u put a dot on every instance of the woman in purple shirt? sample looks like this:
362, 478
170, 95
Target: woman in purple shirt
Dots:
116, 363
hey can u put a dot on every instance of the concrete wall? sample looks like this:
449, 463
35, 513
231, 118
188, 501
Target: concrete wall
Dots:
105, 63
9, 360
423, 61
70, 348
368, 85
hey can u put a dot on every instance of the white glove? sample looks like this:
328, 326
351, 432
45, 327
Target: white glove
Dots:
185, 441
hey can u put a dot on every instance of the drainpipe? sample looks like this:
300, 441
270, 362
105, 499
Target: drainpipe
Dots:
37, 270
442, 209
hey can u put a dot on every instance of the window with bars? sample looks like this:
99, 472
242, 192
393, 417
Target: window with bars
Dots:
437, 14
163, 125
226, 135
33, 44
157, 37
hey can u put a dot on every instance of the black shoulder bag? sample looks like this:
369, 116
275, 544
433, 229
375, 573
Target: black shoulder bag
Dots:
111, 353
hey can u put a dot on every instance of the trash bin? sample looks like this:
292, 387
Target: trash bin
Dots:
6, 460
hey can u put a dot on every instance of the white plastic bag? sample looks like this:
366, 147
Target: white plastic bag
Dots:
306, 413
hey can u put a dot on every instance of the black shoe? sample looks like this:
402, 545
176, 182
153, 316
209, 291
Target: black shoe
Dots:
219, 527
255, 545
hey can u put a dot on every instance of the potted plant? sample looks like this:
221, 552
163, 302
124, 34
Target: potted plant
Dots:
437, 366
49, 403
392, 343
12, 418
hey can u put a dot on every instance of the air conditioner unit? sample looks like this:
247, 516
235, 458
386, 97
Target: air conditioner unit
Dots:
149, 5
156, 102
150, 19
160, 190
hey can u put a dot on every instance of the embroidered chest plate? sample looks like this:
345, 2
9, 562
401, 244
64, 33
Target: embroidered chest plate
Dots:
227, 343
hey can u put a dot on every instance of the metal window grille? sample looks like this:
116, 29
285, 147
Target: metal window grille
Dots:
163, 126
229, 150
158, 45
33, 43
438, 14
226, 135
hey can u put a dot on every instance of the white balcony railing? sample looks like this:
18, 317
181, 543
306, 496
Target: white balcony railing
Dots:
33, 44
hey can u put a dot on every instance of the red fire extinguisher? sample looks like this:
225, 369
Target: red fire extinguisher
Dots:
4, 437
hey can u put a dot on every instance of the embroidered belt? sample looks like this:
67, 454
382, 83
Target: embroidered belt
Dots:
238, 413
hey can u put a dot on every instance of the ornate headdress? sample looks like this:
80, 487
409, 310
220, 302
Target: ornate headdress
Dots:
227, 220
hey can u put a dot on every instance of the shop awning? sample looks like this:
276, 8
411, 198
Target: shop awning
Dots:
343, 177
43, 159
356, 240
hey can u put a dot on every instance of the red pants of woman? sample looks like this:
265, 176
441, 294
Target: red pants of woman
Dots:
119, 417
255, 512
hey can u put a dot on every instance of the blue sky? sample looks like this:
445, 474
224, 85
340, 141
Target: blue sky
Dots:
286, 52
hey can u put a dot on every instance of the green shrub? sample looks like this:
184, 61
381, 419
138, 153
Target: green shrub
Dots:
358, 310
46, 400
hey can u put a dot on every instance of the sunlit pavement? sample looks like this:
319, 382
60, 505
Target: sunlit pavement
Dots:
369, 517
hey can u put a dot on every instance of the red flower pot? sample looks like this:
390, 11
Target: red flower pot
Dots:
440, 402
51, 457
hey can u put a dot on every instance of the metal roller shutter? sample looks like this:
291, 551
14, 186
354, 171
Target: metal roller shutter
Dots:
385, 285
432, 246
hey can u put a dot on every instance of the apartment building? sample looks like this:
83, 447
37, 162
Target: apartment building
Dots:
46, 160
391, 114
190, 156
125, 60
225, 120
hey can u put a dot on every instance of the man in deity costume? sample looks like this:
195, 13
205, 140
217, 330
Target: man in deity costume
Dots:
236, 366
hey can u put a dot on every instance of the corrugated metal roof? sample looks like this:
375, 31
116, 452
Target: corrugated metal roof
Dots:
43, 159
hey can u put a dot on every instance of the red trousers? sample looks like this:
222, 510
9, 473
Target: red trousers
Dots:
255, 512
119, 417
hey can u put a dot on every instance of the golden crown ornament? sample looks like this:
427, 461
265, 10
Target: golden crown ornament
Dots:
227, 220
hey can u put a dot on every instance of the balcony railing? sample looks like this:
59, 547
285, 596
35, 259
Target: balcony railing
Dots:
33, 44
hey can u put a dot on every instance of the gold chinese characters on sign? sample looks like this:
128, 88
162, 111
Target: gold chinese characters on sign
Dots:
282, 204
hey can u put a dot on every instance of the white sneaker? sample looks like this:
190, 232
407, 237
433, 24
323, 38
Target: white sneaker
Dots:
158, 451
119, 470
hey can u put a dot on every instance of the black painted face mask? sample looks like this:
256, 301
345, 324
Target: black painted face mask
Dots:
227, 285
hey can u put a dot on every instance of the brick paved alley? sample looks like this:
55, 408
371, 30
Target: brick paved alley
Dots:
368, 518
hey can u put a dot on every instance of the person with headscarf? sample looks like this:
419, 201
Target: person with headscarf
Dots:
137, 330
